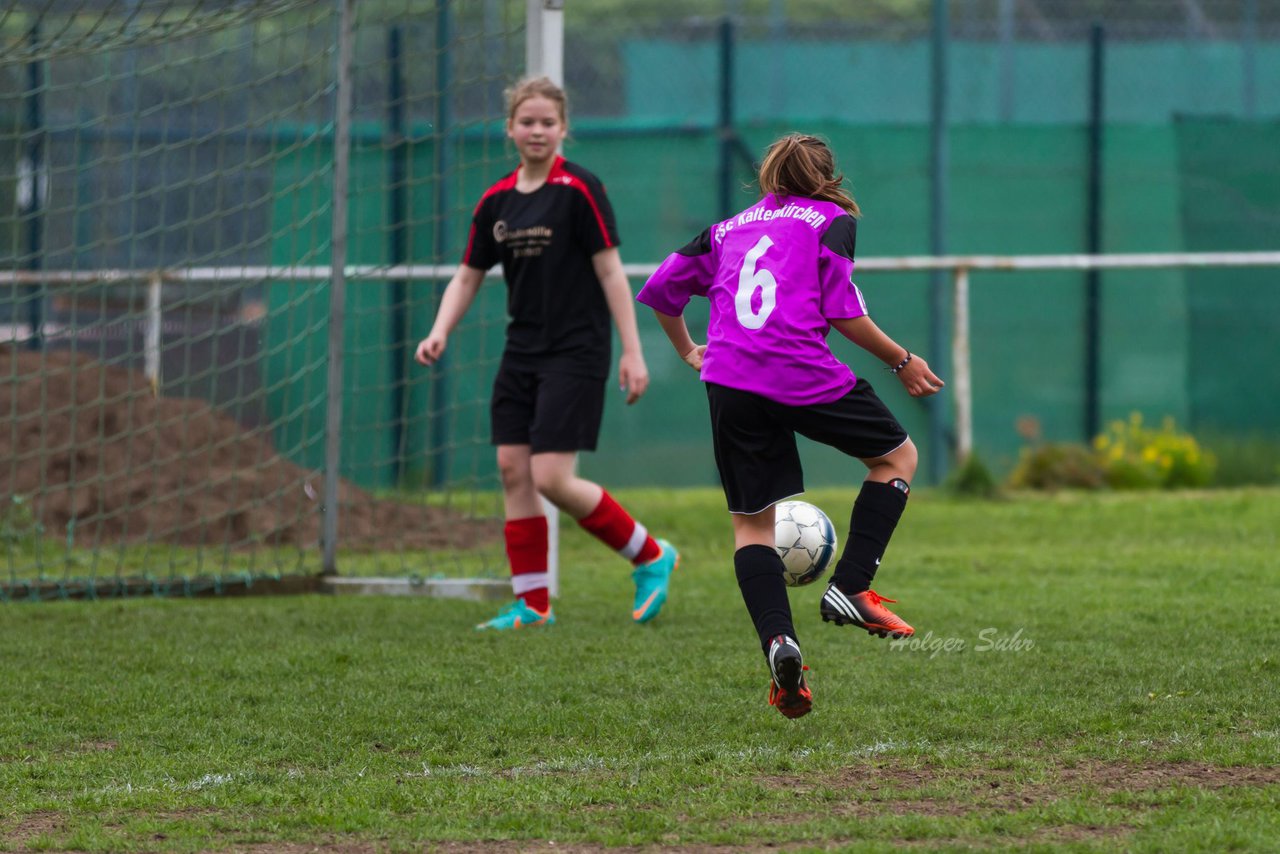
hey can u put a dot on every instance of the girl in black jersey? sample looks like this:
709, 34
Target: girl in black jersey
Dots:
551, 227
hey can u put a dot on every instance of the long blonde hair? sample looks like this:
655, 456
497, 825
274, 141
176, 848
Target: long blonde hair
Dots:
802, 165
536, 87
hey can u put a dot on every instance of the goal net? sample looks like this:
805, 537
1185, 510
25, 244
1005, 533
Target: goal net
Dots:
165, 315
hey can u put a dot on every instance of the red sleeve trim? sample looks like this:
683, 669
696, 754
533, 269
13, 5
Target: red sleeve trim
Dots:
507, 183
560, 175
471, 237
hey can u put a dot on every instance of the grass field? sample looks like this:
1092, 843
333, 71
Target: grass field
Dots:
1092, 672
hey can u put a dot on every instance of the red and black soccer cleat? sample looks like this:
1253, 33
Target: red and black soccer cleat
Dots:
864, 611
788, 692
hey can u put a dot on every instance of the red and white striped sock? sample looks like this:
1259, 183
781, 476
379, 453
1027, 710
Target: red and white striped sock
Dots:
614, 527
527, 554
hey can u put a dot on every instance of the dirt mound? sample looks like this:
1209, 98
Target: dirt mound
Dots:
103, 460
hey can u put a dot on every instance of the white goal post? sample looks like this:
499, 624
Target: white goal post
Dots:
544, 56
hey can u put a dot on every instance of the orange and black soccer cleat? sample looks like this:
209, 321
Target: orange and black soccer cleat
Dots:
788, 692
864, 611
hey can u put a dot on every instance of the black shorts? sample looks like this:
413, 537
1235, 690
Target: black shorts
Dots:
755, 441
545, 410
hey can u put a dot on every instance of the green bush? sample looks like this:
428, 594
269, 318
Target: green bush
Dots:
1245, 460
972, 479
1052, 466
1136, 456
1129, 455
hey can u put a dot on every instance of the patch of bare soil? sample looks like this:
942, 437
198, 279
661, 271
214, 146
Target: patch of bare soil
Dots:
870, 789
517, 847
98, 455
870, 793
32, 825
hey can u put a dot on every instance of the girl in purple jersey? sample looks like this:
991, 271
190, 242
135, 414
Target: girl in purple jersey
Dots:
550, 225
777, 276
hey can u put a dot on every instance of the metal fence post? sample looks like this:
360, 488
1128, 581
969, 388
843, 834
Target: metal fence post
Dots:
962, 388
32, 190
1093, 235
443, 200
337, 286
939, 175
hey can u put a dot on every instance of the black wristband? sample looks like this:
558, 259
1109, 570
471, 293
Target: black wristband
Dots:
900, 365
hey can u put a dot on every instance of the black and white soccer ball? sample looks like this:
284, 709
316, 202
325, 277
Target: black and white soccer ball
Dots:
806, 541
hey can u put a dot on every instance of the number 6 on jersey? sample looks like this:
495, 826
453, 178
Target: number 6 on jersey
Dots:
749, 281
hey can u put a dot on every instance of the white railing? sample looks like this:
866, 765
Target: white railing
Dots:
959, 265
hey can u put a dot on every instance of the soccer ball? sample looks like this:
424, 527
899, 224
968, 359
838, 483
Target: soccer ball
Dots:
806, 541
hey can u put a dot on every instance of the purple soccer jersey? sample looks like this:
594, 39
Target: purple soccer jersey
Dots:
774, 274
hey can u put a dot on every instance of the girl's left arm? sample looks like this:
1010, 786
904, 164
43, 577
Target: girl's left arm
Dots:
911, 370
633, 375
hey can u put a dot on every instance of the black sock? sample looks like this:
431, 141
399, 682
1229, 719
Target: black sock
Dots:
759, 570
875, 515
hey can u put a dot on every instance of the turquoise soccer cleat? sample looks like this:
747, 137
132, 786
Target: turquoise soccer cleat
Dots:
652, 581
519, 615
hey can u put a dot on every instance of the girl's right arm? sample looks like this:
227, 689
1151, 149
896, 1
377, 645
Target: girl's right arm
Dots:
685, 273
458, 295
678, 334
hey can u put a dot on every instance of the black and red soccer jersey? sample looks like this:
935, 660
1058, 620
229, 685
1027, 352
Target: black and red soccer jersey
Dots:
545, 241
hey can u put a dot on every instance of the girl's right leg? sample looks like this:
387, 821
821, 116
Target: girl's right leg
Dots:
596, 511
759, 569
759, 464
526, 538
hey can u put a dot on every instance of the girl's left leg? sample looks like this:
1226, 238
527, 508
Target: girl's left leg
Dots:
759, 569
604, 518
849, 599
875, 516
